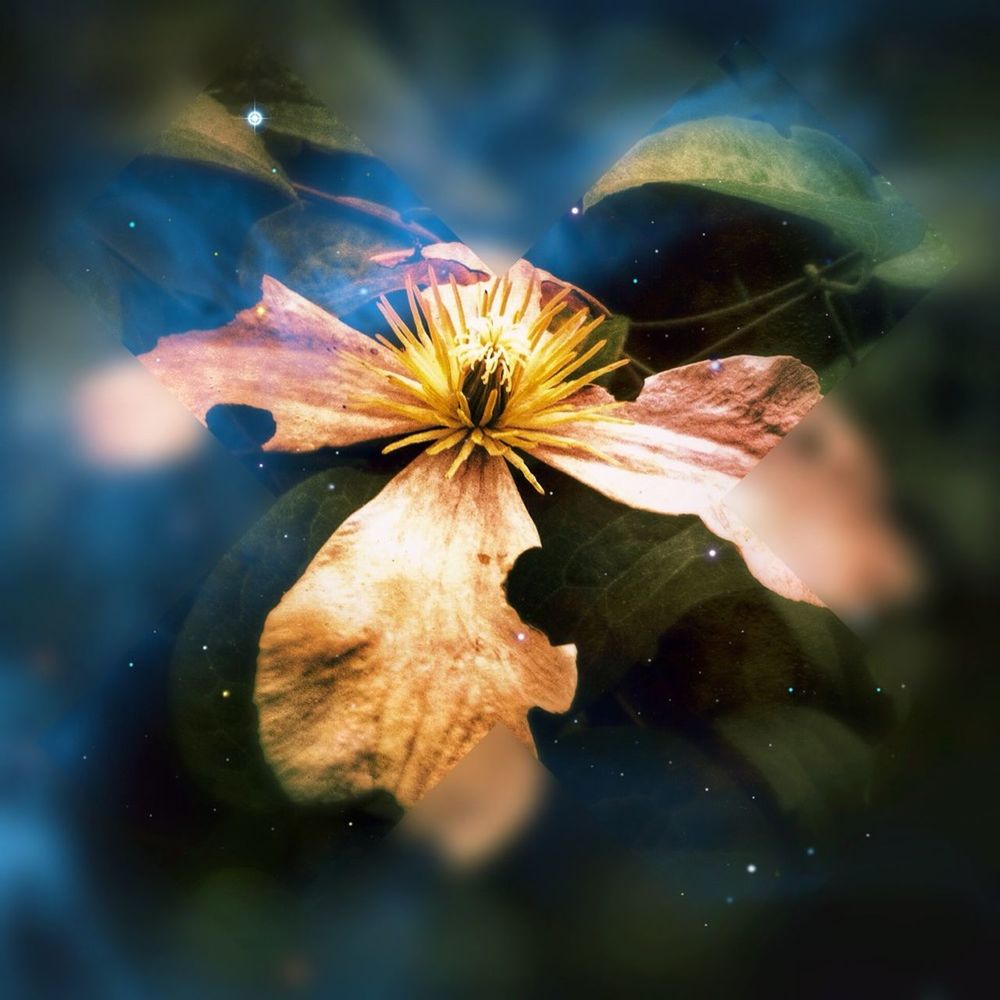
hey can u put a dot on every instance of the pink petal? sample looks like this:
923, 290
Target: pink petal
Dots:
292, 358
821, 500
396, 652
695, 432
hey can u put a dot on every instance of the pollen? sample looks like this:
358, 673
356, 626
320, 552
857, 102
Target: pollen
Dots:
481, 370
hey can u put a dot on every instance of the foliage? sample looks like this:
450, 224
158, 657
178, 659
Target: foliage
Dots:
809, 173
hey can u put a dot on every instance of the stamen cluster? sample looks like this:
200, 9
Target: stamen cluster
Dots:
482, 373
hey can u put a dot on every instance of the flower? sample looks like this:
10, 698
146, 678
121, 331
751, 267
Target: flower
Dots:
487, 369
396, 651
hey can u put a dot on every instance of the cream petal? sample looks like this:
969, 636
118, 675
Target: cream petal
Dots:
695, 432
290, 357
396, 652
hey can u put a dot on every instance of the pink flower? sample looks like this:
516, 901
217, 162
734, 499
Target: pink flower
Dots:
396, 652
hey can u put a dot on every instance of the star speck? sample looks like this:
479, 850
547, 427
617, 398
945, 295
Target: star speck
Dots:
255, 117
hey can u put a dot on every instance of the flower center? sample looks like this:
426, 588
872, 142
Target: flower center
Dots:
489, 352
483, 371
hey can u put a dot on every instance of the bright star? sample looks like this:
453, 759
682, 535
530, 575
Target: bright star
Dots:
255, 117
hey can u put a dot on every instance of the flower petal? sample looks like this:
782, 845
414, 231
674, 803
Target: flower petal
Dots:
290, 357
695, 432
823, 501
444, 260
396, 652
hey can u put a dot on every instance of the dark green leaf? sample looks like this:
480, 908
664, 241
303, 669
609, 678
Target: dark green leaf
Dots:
612, 579
813, 764
313, 123
809, 173
216, 652
206, 132
784, 688
290, 107
688, 640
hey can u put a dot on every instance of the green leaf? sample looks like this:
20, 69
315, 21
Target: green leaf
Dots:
312, 122
612, 579
814, 765
922, 267
809, 173
688, 640
291, 109
324, 254
785, 689
206, 132
216, 652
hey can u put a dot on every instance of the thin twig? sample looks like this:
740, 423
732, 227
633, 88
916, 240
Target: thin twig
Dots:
640, 365
738, 307
756, 321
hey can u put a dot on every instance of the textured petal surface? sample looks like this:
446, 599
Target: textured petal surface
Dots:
695, 432
289, 357
396, 652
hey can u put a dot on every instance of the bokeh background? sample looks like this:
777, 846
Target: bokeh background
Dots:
498, 119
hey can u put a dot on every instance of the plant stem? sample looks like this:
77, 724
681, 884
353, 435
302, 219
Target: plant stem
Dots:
738, 307
640, 365
756, 321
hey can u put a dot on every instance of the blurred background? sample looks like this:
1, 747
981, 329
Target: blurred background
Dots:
118, 878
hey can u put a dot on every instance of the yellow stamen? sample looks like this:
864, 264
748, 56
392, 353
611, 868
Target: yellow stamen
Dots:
478, 371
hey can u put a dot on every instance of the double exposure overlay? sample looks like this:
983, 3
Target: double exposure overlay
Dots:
499, 493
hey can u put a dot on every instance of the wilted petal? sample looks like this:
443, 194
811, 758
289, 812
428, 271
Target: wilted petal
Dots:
396, 651
695, 432
292, 358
